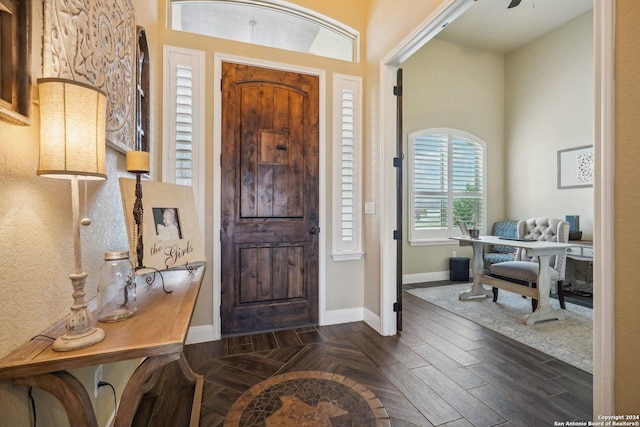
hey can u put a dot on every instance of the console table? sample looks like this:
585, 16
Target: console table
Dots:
156, 333
541, 249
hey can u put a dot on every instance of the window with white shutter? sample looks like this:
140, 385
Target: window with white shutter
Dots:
183, 133
446, 184
347, 168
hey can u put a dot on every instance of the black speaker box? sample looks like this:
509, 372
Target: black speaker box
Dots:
459, 269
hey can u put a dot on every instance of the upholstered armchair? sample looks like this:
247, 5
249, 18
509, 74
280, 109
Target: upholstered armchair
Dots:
500, 253
524, 269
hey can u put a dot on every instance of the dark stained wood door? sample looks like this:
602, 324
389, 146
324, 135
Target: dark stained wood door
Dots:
269, 236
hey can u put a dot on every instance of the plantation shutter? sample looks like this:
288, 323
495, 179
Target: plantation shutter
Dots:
467, 180
430, 182
347, 170
446, 184
347, 166
184, 125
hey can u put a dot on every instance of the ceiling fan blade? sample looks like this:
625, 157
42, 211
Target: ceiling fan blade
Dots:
513, 3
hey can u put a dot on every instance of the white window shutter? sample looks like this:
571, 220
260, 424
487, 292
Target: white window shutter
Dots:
347, 213
183, 122
446, 184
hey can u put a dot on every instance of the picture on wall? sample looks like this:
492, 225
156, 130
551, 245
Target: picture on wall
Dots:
576, 167
171, 232
95, 42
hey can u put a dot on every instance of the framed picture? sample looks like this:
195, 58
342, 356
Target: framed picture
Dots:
171, 235
576, 167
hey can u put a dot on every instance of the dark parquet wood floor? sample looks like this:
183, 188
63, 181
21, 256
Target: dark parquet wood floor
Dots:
442, 370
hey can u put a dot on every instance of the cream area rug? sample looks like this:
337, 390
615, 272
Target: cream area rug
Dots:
569, 340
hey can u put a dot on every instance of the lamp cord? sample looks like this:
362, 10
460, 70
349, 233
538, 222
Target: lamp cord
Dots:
33, 406
115, 399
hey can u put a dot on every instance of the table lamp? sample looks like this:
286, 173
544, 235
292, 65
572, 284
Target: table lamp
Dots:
72, 145
138, 163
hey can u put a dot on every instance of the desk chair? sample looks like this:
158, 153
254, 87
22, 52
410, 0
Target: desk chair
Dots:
500, 253
524, 269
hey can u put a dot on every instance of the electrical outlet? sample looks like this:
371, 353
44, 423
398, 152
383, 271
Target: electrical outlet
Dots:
97, 379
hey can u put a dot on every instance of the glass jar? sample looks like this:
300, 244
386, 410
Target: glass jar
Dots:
116, 288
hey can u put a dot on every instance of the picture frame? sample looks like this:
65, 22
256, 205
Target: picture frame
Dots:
576, 167
15, 61
171, 234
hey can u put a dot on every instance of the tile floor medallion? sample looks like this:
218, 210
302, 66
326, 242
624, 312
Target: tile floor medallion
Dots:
308, 398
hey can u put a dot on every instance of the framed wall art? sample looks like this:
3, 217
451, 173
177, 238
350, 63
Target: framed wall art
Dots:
576, 167
171, 234
15, 61
95, 42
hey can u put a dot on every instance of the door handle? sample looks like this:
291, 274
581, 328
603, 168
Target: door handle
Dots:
314, 230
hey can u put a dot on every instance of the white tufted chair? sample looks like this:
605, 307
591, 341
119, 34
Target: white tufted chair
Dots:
525, 269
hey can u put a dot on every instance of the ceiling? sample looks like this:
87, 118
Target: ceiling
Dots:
490, 25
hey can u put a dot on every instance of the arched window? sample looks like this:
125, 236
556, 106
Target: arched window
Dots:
272, 23
446, 184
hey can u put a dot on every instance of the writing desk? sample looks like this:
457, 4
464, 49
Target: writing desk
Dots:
156, 333
542, 249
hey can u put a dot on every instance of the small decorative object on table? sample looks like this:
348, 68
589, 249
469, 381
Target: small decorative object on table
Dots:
117, 288
167, 232
574, 227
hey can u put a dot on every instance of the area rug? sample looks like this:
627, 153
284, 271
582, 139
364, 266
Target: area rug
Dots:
569, 340
308, 398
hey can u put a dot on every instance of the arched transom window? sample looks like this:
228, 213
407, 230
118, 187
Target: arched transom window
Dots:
272, 23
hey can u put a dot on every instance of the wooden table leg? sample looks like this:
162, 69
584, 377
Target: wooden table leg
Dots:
69, 391
197, 395
477, 267
138, 384
544, 311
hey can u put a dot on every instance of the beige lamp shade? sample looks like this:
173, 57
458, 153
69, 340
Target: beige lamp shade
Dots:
72, 129
138, 161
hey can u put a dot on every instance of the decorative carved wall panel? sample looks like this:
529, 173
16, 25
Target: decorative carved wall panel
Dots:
95, 41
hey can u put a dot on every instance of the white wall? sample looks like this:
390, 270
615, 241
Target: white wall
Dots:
549, 107
449, 85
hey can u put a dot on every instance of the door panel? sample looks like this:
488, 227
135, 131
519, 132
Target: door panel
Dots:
269, 199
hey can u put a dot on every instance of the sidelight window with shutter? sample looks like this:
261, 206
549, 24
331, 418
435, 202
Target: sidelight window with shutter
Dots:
183, 132
446, 184
347, 169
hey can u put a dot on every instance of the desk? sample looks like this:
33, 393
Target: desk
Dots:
157, 333
581, 254
542, 249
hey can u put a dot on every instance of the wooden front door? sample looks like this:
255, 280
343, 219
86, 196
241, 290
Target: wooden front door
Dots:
269, 208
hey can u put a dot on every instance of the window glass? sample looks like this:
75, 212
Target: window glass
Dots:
274, 24
446, 183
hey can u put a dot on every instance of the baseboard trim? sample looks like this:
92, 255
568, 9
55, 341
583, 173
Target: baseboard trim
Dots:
204, 333
346, 315
198, 334
408, 279
373, 320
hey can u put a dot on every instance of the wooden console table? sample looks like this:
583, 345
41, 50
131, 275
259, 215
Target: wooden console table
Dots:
156, 333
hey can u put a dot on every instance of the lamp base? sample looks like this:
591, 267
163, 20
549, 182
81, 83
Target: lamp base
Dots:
80, 333
74, 341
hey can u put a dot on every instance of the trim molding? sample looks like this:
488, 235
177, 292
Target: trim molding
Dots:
345, 315
604, 273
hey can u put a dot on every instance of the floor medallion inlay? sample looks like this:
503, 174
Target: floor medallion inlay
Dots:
308, 398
